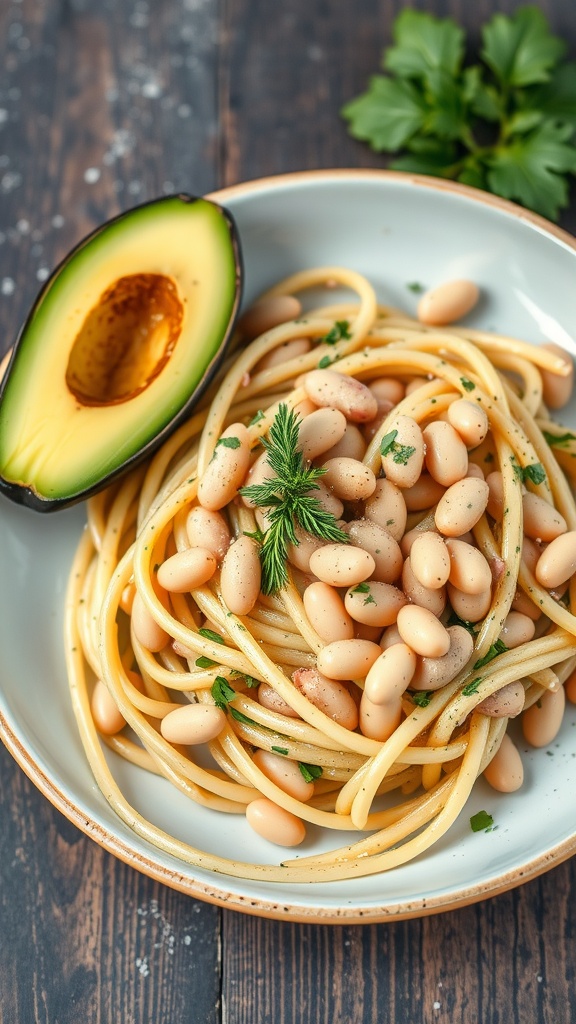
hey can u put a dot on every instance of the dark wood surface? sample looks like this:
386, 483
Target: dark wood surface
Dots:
104, 103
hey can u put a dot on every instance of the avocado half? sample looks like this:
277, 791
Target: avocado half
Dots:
119, 345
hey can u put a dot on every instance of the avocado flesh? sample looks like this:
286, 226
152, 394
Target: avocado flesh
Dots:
122, 336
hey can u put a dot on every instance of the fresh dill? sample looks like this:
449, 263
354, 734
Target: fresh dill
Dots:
288, 501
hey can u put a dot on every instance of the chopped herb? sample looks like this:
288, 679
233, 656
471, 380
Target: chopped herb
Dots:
256, 419
415, 287
280, 750
288, 500
222, 692
455, 620
309, 771
228, 442
422, 698
481, 822
362, 588
240, 717
325, 362
498, 647
535, 472
472, 687
205, 662
468, 385
558, 440
400, 452
340, 331
209, 634
250, 681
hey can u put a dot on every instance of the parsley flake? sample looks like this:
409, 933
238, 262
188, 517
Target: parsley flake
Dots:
309, 771
468, 385
472, 687
203, 662
422, 698
498, 647
280, 750
228, 442
481, 821
209, 634
260, 415
222, 692
558, 440
400, 453
340, 331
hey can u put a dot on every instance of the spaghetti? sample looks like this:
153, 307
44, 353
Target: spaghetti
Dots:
254, 671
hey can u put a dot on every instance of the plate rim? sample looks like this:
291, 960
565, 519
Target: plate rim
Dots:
256, 905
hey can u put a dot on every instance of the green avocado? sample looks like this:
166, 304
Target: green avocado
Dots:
122, 340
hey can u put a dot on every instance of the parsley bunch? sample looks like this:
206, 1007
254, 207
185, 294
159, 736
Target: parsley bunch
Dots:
287, 500
506, 124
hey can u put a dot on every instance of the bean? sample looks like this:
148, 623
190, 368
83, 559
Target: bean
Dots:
329, 501
432, 673
186, 570
329, 696
387, 508
271, 700
381, 545
557, 563
387, 389
341, 565
299, 554
460, 508
391, 674
192, 724
283, 353
469, 420
326, 612
389, 637
320, 431
145, 628
209, 530
541, 722
469, 570
446, 453
339, 391
425, 493
268, 313
349, 479
557, 390
434, 600
284, 773
404, 457
374, 604
351, 446
523, 604
414, 385
430, 560
470, 607
505, 773
127, 598
447, 302
475, 471
495, 505
225, 473
348, 659
421, 630
379, 721
274, 823
507, 702
541, 520
107, 716
517, 629
241, 576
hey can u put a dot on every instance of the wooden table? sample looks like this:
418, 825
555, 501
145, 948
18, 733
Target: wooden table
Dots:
105, 103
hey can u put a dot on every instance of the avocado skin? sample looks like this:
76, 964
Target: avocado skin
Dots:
24, 493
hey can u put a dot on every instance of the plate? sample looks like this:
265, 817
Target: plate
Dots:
397, 229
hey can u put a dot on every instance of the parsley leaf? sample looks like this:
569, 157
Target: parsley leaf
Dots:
535, 472
472, 688
209, 634
400, 452
468, 385
222, 692
558, 440
481, 822
340, 331
421, 698
505, 122
498, 647
280, 750
203, 662
309, 771
228, 442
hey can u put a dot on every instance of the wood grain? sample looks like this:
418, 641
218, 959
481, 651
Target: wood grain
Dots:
104, 103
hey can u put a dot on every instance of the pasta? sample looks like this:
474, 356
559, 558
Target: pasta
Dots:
386, 749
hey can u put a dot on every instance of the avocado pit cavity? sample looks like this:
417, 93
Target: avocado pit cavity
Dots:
125, 340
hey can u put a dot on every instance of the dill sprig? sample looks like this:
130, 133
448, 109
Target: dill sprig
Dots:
288, 501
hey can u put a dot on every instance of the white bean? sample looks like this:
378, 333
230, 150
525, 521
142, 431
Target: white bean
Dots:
374, 604
462, 505
541, 722
425, 597
430, 559
446, 453
432, 673
557, 390
557, 563
207, 529
470, 420
283, 353
225, 472
403, 455
469, 570
284, 773
422, 631
507, 702
325, 609
328, 695
349, 479
517, 629
241, 576
351, 446
391, 674
186, 570
505, 773
192, 724
146, 630
379, 721
339, 391
348, 659
448, 302
274, 823
381, 545
542, 521
387, 508
320, 431
268, 313
341, 565
425, 493
470, 607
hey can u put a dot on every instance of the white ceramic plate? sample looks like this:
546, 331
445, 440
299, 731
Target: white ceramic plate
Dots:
397, 230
